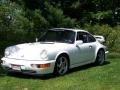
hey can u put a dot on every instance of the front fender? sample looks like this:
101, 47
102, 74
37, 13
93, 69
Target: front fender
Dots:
61, 52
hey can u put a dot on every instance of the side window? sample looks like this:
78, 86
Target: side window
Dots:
85, 37
79, 36
91, 38
82, 36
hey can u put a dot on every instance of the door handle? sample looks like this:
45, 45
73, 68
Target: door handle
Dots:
90, 46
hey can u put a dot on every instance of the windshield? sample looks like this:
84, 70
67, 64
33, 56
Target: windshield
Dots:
64, 36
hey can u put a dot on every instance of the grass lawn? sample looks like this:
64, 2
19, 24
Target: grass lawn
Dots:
90, 77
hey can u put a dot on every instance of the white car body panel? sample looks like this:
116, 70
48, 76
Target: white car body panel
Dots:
29, 53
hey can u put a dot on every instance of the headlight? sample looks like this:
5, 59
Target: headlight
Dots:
44, 55
7, 53
11, 50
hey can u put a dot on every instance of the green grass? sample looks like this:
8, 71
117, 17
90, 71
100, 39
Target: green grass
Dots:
90, 77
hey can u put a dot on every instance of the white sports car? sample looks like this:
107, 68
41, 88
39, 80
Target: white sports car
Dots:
57, 51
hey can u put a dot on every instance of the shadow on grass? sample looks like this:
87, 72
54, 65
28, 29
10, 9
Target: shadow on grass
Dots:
52, 76
26, 76
2, 72
85, 67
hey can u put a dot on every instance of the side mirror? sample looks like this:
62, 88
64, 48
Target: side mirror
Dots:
79, 42
36, 39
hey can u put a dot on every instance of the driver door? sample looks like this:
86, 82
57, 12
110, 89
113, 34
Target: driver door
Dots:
85, 51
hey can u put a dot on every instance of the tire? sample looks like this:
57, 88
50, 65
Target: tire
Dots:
61, 65
100, 57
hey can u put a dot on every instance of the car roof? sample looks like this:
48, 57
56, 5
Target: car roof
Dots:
70, 29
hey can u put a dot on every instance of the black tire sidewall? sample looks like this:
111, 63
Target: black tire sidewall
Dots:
98, 62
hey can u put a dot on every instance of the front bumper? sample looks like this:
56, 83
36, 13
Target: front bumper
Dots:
24, 66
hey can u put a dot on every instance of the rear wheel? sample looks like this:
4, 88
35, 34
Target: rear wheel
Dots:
61, 66
100, 57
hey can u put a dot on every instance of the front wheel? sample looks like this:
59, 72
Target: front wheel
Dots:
100, 57
61, 66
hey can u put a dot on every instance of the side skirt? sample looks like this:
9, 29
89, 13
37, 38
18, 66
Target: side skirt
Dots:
80, 64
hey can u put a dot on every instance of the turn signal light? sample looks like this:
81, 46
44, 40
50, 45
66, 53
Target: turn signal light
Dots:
43, 65
40, 65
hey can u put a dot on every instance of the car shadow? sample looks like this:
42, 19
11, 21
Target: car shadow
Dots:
85, 67
34, 77
52, 76
2, 72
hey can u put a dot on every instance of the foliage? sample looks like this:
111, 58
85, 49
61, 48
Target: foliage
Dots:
57, 19
113, 55
40, 23
12, 17
23, 20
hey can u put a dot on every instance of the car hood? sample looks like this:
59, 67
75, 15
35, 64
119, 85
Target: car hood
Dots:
32, 51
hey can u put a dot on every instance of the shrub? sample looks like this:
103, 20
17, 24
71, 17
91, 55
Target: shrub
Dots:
113, 55
40, 23
12, 17
56, 18
111, 35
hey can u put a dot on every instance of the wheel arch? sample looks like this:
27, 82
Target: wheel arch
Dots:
98, 51
63, 54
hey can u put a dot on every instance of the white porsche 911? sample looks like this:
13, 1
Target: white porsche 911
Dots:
57, 51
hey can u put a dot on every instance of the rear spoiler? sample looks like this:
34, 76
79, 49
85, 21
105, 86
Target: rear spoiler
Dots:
99, 38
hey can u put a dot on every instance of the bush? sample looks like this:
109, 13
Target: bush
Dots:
56, 18
111, 35
113, 55
40, 23
12, 17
